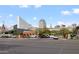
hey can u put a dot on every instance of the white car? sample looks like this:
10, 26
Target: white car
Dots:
54, 37
33, 36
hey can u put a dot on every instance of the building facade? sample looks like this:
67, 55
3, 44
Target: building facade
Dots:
22, 24
42, 23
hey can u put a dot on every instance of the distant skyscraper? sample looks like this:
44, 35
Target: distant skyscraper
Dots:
22, 24
63, 26
50, 25
3, 28
15, 27
74, 25
42, 23
57, 26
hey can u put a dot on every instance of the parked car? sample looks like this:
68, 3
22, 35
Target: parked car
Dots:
44, 36
7, 36
54, 37
33, 36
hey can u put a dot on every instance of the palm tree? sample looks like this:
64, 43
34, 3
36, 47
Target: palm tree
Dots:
64, 32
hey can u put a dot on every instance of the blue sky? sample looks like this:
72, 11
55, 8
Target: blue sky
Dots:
53, 14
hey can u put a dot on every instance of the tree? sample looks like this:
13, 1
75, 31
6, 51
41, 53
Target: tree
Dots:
14, 32
55, 32
64, 32
43, 32
75, 32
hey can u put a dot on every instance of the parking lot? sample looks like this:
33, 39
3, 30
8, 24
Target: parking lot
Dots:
38, 46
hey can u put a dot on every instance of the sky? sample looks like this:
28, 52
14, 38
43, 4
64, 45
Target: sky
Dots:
53, 14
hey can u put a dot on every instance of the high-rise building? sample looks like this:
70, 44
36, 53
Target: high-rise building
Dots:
42, 23
15, 27
22, 24
63, 26
50, 25
57, 26
3, 28
74, 25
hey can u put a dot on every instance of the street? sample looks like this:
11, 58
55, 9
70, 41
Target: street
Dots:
38, 46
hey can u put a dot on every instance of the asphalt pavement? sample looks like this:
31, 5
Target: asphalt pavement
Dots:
38, 46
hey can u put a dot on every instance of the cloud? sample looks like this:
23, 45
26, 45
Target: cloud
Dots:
34, 18
65, 12
23, 6
26, 6
75, 11
72, 11
10, 15
1, 24
61, 23
0, 16
66, 23
38, 6
7, 16
50, 17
